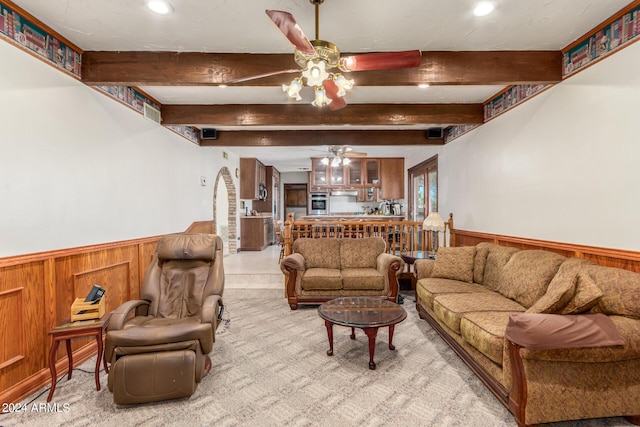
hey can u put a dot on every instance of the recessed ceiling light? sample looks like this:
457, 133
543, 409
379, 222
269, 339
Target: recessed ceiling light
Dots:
483, 8
160, 6
423, 85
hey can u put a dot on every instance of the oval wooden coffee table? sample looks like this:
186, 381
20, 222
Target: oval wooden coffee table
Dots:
366, 313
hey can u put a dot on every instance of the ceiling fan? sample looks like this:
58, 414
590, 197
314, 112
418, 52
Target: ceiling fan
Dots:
340, 155
317, 58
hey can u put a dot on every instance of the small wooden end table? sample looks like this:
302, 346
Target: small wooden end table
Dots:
72, 330
366, 313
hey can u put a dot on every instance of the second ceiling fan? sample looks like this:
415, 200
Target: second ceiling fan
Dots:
317, 58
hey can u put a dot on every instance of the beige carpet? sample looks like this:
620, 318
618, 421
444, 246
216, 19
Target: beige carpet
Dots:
270, 368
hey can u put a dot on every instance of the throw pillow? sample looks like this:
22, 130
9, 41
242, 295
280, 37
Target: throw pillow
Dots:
455, 263
558, 295
586, 296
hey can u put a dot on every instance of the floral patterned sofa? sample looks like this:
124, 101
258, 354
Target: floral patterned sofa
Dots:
322, 269
573, 329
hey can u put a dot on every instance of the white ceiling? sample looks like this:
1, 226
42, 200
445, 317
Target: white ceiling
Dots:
356, 26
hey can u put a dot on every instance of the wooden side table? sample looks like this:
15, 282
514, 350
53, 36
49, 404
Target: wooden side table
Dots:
410, 258
67, 332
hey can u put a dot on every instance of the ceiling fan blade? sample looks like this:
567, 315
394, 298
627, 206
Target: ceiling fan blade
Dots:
337, 102
381, 61
260, 76
288, 26
355, 154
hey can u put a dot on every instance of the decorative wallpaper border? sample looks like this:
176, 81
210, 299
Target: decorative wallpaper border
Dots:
453, 132
509, 98
620, 30
189, 132
34, 38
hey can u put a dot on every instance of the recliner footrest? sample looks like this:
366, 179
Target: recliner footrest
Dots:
150, 377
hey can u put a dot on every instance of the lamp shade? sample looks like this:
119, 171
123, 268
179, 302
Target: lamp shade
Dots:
433, 222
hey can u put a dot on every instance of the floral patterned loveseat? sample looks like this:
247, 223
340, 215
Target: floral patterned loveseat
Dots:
572, 328
322, 269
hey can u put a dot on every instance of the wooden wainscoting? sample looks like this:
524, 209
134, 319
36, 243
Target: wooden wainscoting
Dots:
36, 292
628, 260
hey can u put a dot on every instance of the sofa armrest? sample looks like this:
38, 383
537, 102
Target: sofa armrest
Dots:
384, 261
295, 261
122, 313
423, 268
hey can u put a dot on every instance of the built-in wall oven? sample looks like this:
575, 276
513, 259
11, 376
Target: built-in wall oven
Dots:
318, 204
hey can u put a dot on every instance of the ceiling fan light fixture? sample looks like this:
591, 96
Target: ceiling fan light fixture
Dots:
325, 161
293, 90
321, 97
343, 84
335, 162
346, 161
315, 73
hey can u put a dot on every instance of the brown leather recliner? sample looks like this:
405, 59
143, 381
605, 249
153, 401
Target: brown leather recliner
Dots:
162, 351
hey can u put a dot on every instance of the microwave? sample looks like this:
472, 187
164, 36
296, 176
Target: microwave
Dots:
318, 204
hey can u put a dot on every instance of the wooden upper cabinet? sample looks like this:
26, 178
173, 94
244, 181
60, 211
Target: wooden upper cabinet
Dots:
354, 172
391, 178
372, 172
252, 174
319, 175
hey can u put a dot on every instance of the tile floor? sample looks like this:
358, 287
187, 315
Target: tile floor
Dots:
254, 270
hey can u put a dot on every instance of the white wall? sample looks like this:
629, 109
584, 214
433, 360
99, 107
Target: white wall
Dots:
564, 166
79, 168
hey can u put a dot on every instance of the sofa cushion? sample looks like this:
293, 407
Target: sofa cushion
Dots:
361, 253
482, 250
319, 253
320, 279
526, 276
449, 308
554, 331
428, 289
586, 295
455, 263
362, 279
485, 331
561, 289
497, 258
621, 290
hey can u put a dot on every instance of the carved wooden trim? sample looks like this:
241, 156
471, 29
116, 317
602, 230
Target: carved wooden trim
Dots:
620, 258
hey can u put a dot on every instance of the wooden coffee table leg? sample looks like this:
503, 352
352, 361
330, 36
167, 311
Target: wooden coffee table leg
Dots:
391, 346
70, 358
371, 334
329, 326
353, 333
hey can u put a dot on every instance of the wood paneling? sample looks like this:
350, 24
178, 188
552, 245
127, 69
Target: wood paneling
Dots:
628, 260
295, 138
36, 292
308, 115
204, 69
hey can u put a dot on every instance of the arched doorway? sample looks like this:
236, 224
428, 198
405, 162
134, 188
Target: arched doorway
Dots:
230, 203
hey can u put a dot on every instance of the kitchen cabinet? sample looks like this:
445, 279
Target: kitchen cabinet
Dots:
391, 178
256, 232
295, 197
253, 177
382, 178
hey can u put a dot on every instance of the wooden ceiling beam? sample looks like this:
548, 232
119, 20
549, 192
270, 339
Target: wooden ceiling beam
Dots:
201, 69
296, 138
307, 115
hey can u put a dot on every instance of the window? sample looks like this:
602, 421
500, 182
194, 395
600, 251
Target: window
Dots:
423, 183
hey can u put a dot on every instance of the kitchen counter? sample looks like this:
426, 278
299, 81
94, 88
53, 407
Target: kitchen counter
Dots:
259, 216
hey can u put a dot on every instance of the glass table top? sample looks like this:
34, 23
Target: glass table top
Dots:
362, 312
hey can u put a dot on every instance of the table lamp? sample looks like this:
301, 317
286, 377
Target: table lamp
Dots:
434, 223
